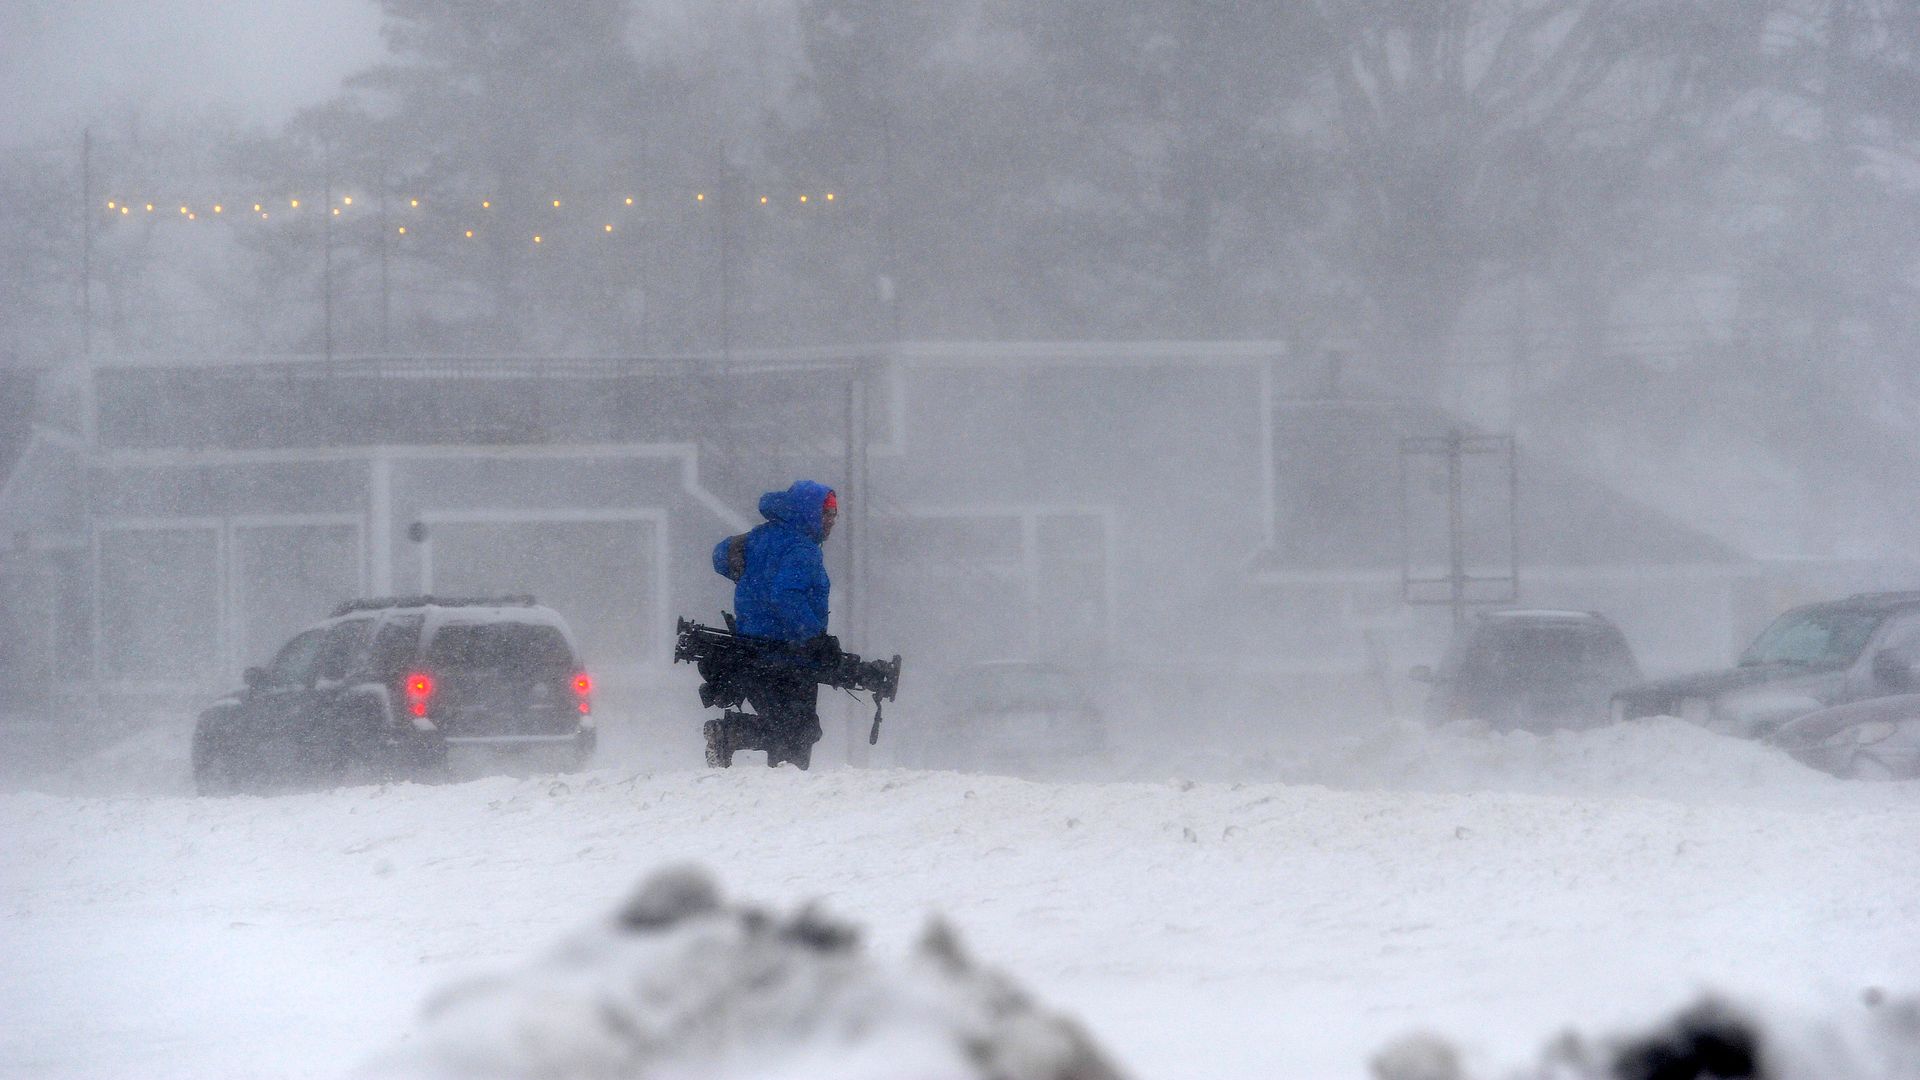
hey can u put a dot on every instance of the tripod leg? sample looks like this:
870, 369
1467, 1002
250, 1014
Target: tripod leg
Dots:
719, 745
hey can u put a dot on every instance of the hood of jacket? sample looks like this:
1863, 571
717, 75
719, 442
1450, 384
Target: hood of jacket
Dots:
799, 507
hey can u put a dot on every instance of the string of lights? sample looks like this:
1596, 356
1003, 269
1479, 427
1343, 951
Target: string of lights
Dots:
566, 211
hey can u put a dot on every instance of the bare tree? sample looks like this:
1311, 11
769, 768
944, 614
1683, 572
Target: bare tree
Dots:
1476, 139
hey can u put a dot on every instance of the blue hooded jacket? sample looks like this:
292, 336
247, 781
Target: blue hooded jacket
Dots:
780, 576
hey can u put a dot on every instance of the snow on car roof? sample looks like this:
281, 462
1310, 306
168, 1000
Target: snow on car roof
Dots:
383, 603
1539, 613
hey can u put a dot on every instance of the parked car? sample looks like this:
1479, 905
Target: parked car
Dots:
1533, 670
394, 685
1865, 646
1008, 716
1876, 739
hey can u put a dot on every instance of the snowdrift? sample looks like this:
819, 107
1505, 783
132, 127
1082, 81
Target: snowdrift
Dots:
1877, 1040
1285, 912
680, 984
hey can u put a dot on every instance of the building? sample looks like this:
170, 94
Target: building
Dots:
1169, 505
213, 507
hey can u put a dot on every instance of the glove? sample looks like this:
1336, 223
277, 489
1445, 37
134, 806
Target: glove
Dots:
824, 650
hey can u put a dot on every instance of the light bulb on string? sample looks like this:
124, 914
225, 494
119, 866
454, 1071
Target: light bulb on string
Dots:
469, 234
218, 209
536, 239
110, 205
415, 203
256, 208
149, 208
629, 200
293, 204
403, 230
829, 196
123, 210
609, 228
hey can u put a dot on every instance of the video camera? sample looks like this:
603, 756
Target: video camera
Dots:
729, 661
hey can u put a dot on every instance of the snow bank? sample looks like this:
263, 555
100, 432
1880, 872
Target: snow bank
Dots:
679, 984
1220, 929
125, 755
1661, 758
1238, 897
1875, 1039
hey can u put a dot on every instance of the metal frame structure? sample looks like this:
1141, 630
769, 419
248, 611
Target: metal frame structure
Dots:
1455, 446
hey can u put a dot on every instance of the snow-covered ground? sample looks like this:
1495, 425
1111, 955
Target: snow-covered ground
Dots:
1283, 911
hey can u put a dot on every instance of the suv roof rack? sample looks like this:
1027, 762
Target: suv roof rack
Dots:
381, 603
1539, 613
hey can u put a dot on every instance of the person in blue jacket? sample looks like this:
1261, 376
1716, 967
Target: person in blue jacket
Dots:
780, 594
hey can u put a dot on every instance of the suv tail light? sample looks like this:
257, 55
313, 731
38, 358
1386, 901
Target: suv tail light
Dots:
583, 691
419, 688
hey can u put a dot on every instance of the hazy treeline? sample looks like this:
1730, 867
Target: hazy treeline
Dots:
1424, 182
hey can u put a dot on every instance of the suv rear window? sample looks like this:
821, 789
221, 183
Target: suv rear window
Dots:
1547, 655
511, 647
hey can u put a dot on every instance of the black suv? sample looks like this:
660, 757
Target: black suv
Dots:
1865, 646
392, 685
1532, 670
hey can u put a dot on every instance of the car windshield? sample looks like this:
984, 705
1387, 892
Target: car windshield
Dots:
1012, 687
1815, 637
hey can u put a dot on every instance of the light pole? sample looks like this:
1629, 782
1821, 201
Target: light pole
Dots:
326, 245
86, 242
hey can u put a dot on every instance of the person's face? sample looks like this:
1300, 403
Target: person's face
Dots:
827, 516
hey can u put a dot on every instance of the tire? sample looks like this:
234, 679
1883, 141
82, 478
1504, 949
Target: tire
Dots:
325, 756
365, 756
213, 771
584, 747
1514, 717
218, 769
312, 755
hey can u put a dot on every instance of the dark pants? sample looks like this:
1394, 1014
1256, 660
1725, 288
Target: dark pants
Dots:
787, 725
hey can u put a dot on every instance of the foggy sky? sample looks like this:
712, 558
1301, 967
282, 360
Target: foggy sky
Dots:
65, 63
